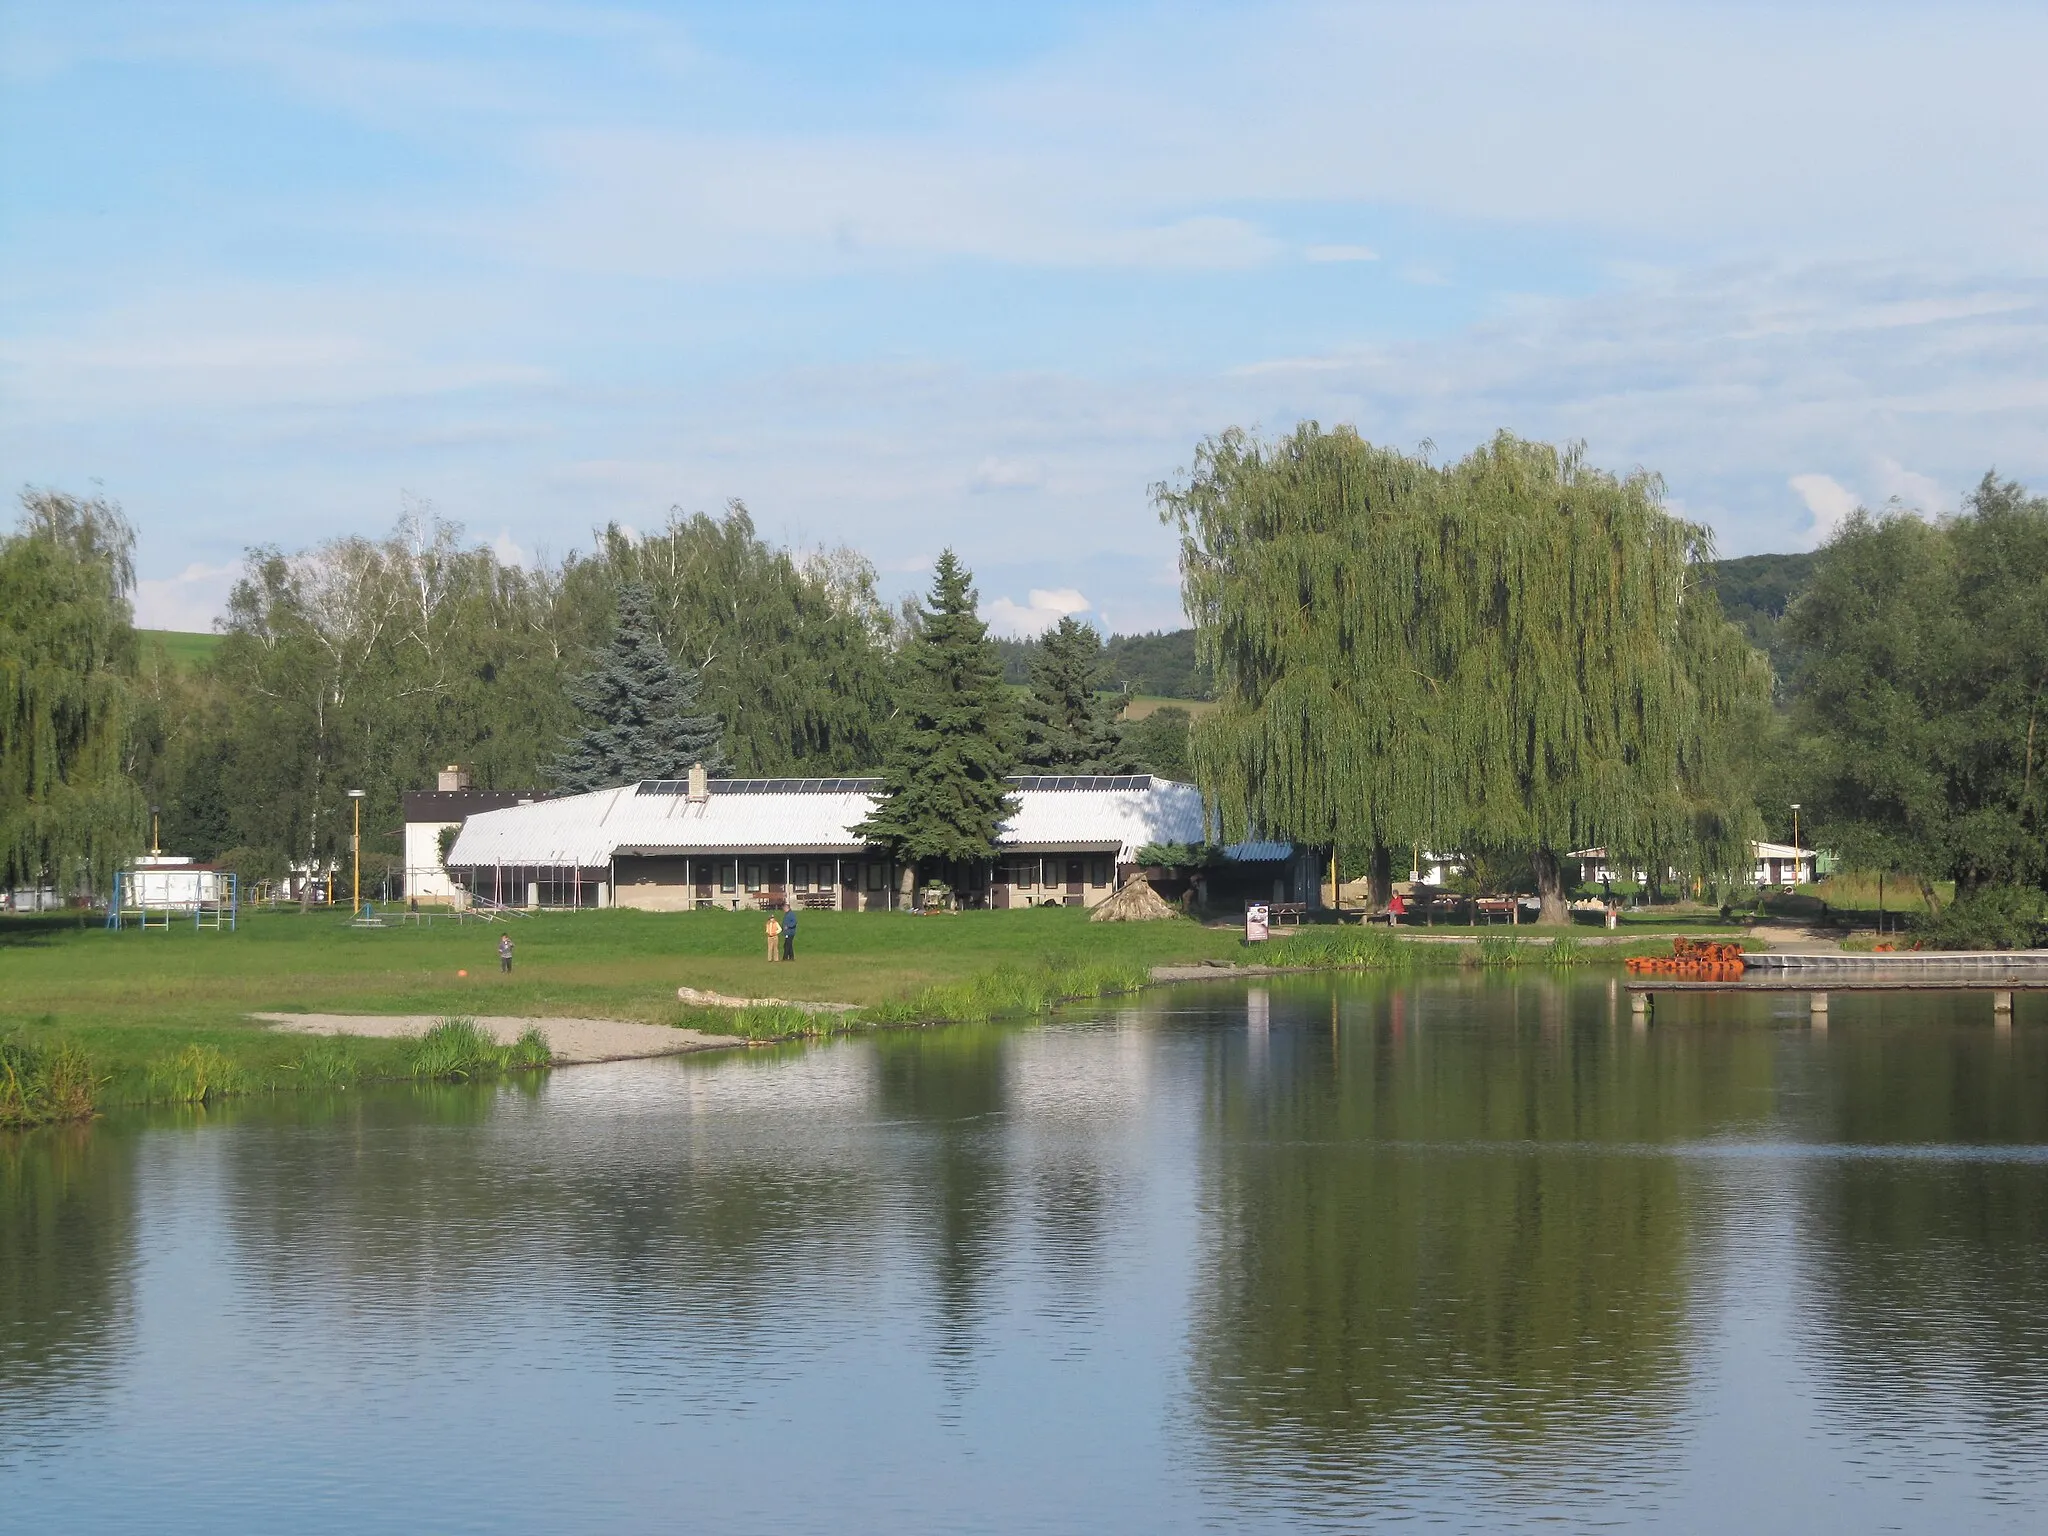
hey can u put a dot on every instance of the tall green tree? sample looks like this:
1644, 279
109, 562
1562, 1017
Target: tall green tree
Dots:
1299, 569
793, 649
1160, 743
1922, 701
68, 810
1070, 725
953, 738
1517, 651
639, 711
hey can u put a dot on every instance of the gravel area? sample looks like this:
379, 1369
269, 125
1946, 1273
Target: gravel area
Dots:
570, 1040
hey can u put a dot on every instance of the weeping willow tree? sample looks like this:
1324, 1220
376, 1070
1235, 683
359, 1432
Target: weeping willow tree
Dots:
67, 651
1292, 555
1513, 652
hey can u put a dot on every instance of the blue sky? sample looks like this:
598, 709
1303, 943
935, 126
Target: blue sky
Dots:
908, 275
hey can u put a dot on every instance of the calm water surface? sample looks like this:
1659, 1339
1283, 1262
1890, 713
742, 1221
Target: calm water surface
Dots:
1472, 1253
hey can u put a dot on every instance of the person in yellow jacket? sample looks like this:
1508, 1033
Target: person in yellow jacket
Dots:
774, 932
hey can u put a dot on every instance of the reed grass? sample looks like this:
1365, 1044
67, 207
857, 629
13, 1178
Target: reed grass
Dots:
45, 1082
193, 1076
459, 1049
1495, 950
1006, 991
1352, 948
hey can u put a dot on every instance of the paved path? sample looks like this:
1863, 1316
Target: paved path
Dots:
570, 1040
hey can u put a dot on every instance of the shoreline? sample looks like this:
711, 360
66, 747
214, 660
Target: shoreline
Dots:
708, 1021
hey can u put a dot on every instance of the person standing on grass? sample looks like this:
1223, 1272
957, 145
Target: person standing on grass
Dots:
774, 932
789, 933
505, 953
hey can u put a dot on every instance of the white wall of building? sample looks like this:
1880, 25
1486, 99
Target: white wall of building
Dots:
426, 878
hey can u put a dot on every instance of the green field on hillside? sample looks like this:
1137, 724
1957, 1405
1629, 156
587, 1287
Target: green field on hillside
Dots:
1141, 705
182, 647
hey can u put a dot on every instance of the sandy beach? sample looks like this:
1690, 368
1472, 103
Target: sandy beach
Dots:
571, 1040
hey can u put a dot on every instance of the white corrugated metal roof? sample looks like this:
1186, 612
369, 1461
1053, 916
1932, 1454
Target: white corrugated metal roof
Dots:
778, 815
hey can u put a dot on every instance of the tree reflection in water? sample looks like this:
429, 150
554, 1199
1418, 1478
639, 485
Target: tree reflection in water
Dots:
67, 1253
1438, 1228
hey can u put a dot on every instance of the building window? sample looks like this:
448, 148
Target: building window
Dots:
753, 878
878, 877
1022, 875
727, 873
1098, 872
800, 877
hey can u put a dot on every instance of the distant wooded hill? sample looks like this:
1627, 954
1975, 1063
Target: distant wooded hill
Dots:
1755, 592
1162, 663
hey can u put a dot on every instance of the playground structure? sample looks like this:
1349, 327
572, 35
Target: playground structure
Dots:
159, 889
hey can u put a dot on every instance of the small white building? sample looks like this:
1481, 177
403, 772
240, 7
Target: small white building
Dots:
1783, 864
431, 812
165, 882
1775, 864
683, 845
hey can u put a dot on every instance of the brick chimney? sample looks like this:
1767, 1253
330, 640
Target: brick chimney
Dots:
700, 783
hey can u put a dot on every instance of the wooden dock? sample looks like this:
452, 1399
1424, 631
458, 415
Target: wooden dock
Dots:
1817, 985
1999, 972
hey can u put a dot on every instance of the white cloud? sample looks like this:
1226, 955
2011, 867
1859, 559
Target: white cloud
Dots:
1923, 493
509, 551
1045, 609
1828, 500
189, 601
1341, 253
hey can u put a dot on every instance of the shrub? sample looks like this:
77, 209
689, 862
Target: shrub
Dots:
1992, 917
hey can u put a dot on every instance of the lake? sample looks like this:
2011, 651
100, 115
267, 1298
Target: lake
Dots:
1473, 1252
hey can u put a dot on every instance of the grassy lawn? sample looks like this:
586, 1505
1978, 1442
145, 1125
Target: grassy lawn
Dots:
129, 992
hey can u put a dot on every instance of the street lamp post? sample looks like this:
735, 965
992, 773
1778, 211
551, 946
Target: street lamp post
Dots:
1797, 861
156, 846
355, 885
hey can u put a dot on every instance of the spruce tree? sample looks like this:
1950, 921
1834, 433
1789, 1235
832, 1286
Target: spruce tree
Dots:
641, 711
1069, 725
953, 739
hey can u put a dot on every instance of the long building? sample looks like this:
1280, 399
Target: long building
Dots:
686, 845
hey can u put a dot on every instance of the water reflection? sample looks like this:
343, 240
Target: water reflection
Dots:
67, 1233
1474, 1250
1419, 1251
